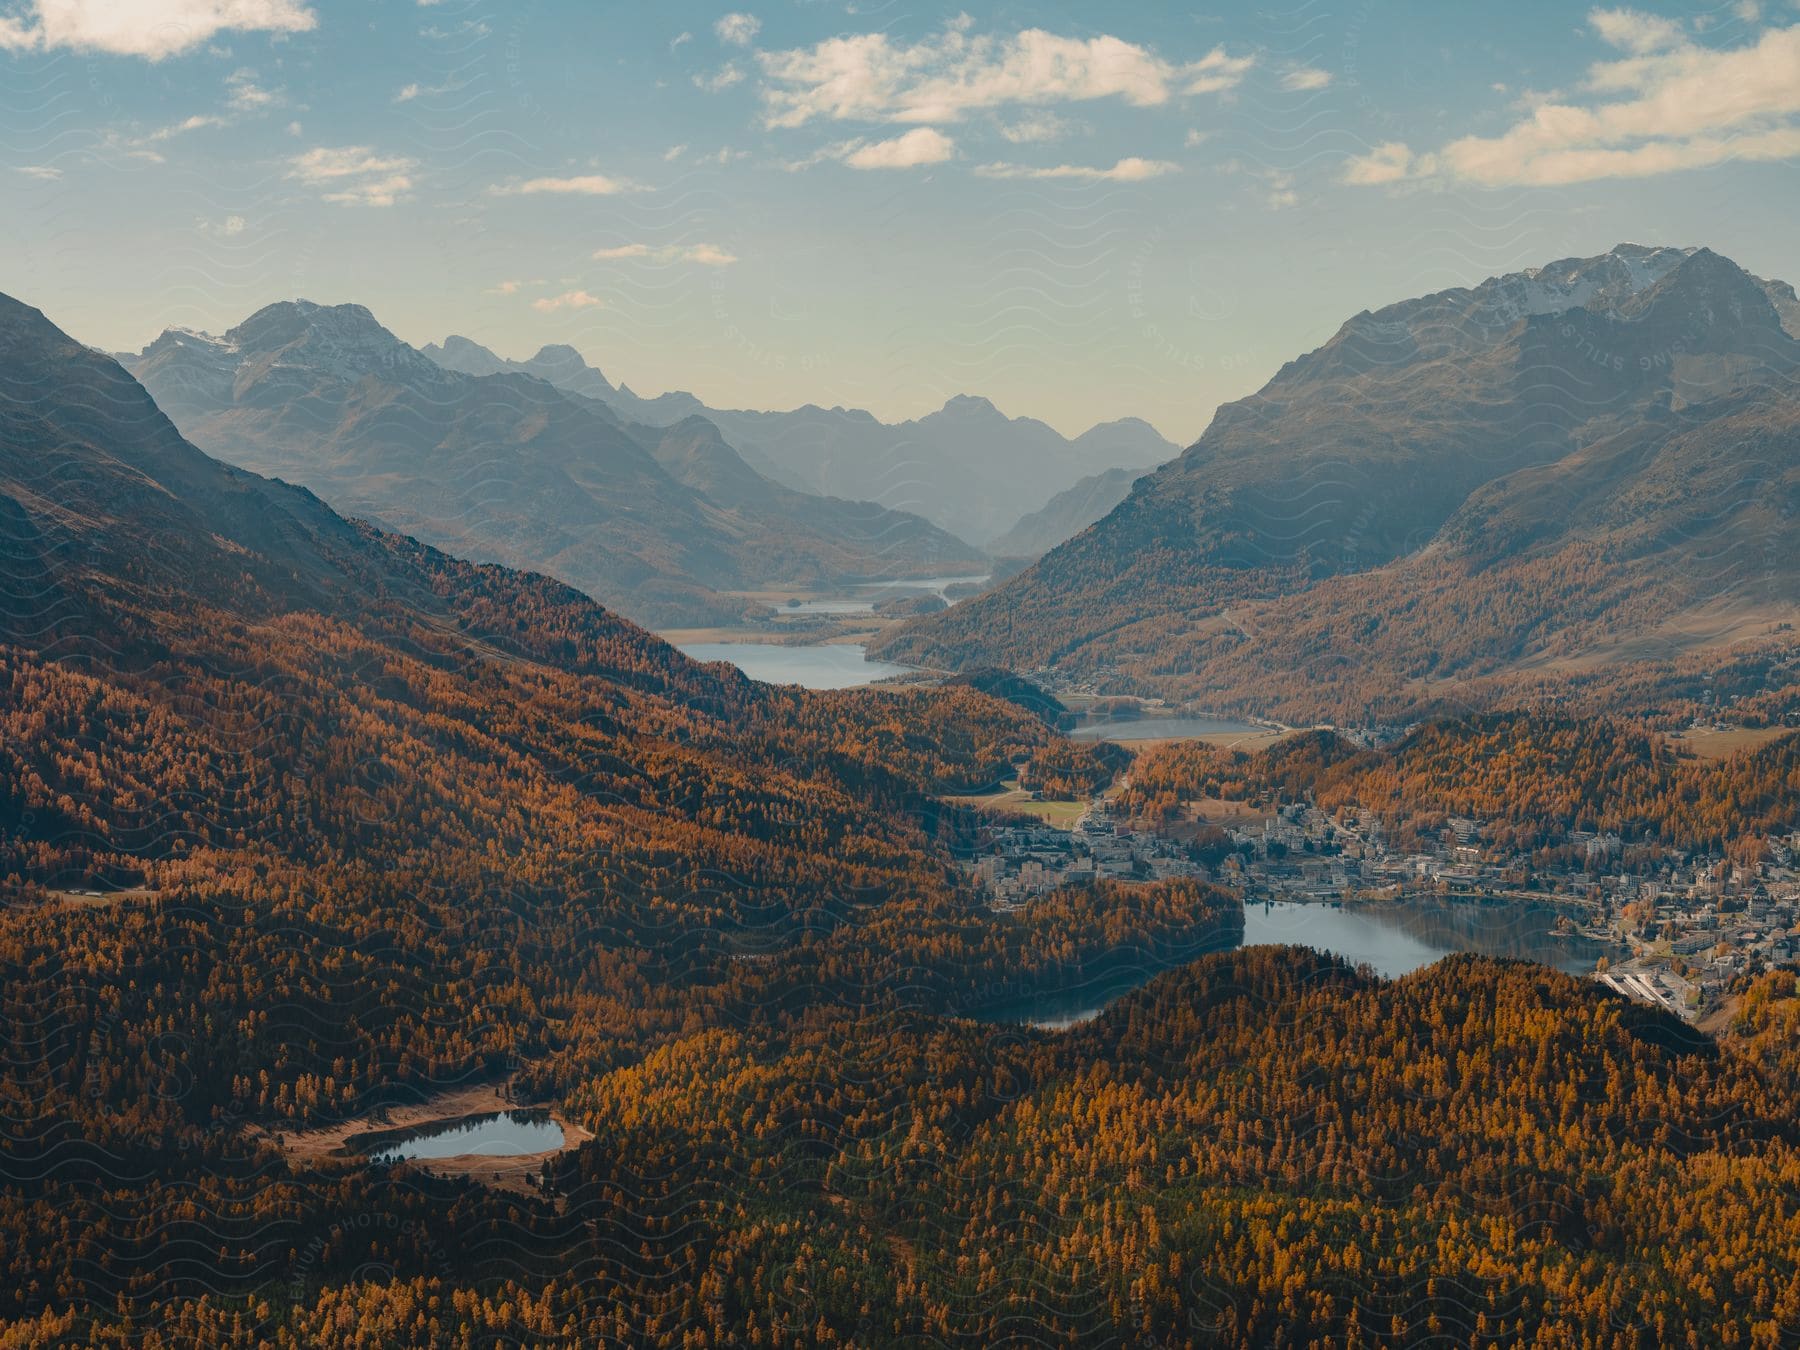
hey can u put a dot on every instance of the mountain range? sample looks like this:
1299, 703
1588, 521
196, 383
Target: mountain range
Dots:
658, 522
302, 821
1581, 473
315, 839
966, 467
1065, 515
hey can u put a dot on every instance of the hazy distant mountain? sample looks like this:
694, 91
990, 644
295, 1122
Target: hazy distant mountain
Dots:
506, 466
871, 541
561, 365
1064, 516
968, 467
126, 543
1541, 477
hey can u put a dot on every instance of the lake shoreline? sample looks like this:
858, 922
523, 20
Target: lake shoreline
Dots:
1393, 938
337, 1144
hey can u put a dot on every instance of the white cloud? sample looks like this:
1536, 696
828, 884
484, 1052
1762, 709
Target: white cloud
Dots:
680, 38
152, 29
582, 185
1035, 128
1277, 184
1130, 170
1305, 79
198, 122
1668, 105
504, 288
42, 172
1217, 72
567, 300
739, 30
1280, 191
721, 79
869, 77
1195, 137
244, 94
710, 255
910, 150
468, 28
1634, 31
410, 92
707, 255
354, 174
673, 153
914, 149
1386, 163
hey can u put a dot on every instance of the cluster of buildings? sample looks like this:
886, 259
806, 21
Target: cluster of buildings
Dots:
1684, 928
1018, 862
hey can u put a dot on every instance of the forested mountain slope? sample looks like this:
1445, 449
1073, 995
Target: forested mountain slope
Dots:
389, 823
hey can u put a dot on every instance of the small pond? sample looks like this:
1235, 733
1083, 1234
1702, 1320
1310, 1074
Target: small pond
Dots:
505, 1134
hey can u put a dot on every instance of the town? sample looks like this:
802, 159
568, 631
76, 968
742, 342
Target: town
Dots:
1676, 931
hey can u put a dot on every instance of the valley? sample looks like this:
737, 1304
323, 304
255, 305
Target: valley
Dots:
1585, 531
826, 677
668, 523
384, 908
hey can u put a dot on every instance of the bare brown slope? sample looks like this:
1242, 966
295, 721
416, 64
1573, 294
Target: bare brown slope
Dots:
1405, 504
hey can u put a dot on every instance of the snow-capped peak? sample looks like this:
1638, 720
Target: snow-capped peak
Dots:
1581, 283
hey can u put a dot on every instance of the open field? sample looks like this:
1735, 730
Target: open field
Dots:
1058, 815
1218, 811
1145, 732
1710, 743
1198, 818
1248, 741
93, 899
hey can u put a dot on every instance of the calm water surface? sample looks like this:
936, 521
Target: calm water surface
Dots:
868, 592
829, 607
837, 665
505, 1135
1160, 729
931, 585
1391, 939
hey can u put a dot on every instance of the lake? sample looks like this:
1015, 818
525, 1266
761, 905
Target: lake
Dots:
929, 585
871, 591
506, 1134
1390, 939
1160, 729
828, 607
831, 665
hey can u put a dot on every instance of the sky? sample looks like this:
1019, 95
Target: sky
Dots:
1081, 212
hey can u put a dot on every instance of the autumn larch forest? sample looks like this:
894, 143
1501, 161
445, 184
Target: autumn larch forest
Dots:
958, 758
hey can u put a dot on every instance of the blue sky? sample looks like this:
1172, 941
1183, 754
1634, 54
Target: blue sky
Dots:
1082, 212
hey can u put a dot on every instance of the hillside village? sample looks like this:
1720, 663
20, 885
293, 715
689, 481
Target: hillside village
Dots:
1684, 929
